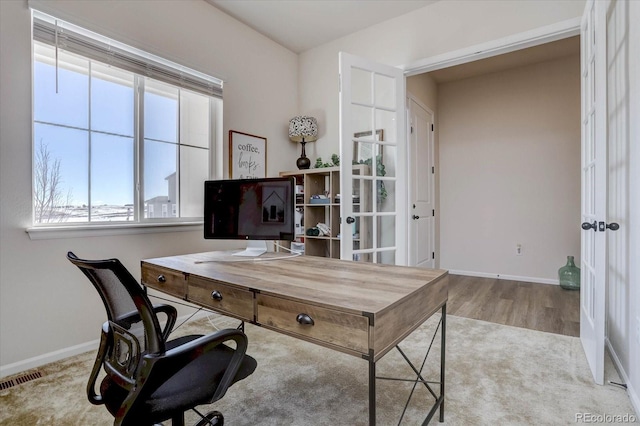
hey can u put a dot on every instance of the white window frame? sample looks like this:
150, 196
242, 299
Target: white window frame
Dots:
141, 224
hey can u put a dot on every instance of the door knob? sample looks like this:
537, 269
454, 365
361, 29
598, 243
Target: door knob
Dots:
415, 217
350, 219
613, 226
586, 226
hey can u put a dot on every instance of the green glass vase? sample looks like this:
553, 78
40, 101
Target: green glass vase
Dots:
569, 275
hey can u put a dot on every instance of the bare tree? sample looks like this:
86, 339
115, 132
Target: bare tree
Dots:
48, 197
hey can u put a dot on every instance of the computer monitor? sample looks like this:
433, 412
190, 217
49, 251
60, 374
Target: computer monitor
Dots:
254, 210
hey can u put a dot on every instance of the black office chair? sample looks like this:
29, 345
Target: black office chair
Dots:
150, 379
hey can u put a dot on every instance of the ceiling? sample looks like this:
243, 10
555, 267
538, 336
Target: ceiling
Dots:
541, 53
301, 25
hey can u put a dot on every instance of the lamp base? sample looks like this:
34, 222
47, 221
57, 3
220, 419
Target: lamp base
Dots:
303, 162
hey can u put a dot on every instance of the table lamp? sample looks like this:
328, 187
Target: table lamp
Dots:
303, 129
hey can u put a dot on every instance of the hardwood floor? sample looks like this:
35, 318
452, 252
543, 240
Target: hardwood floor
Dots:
543, 307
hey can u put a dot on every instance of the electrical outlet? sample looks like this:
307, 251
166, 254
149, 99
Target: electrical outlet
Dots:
518, 249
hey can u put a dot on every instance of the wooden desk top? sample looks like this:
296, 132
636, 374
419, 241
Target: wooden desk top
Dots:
354, 287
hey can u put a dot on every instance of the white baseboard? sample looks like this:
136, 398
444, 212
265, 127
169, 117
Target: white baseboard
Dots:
631, 391
505, 277
37, 361
40, 360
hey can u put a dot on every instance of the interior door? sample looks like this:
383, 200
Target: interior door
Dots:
373, 162
594, 186
421, 185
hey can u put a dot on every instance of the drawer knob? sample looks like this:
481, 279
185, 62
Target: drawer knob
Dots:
162, 279
216, 295
304, 319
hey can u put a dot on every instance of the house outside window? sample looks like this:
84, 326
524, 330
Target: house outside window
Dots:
112, 144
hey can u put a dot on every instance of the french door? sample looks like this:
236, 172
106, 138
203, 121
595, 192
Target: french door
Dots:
373, 162
594, 186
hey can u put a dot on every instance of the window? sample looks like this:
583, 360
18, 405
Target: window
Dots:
118, 134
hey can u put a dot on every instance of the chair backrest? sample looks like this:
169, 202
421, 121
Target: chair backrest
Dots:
123, 298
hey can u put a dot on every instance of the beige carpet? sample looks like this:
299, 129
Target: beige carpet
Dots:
496, 375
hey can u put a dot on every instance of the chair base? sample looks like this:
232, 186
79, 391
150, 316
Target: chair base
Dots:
214, 418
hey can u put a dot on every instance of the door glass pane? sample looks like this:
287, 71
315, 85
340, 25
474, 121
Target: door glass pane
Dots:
112, 179
160, 191
386, 161
361, 170
385, 91
361, 86
385, 195
61, 181
70, 106
386, 121
160, 111
592, 182
363, 236
386, 231
386, 257
361, 120
592, 81
362, 195
591, 138
194, 119
111, 100
363, 154
194, 170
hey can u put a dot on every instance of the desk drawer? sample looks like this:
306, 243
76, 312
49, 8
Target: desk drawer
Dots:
227, 299
336, 328
165, 280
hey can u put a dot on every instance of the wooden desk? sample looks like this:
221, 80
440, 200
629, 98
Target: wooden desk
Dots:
358, 308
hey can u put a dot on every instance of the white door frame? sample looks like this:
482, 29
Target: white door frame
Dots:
535, 37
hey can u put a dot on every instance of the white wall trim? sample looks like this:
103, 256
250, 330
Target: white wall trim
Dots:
40, 360
102, 230
505, 277
535, 37
37, 361
633, 394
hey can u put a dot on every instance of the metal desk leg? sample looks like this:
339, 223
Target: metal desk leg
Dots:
372, 392
439, 399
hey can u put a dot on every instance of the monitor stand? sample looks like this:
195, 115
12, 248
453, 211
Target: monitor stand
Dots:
254, 248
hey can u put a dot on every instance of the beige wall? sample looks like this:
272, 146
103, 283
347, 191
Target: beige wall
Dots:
510, 170
45, 304
439, 28
425, 89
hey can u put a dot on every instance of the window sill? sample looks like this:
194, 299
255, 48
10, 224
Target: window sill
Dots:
80, 231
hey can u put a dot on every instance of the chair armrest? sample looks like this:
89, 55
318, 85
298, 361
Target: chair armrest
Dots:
167, 364
170, 311
94, 398
172, 315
